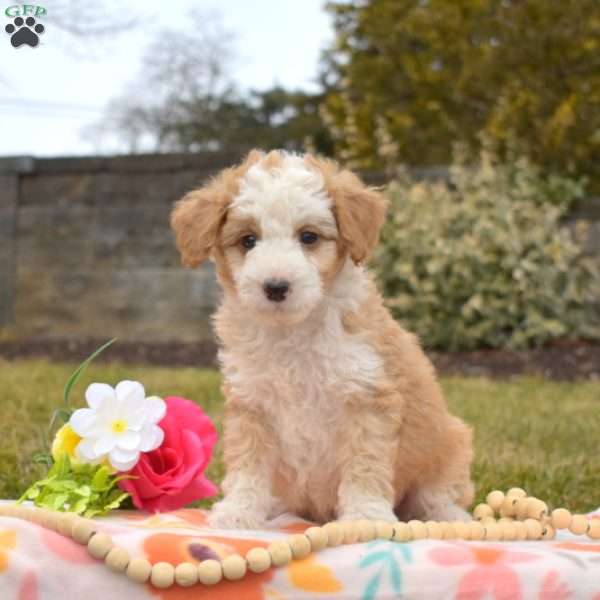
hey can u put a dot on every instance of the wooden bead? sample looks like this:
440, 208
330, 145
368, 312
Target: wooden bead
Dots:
521, 530
384, 530
536, 508
594, 529
335, 535
508, 507
509, 530
139, 570
186, 574
521, 506
210, 572
162, 575
434, 530
83, 530
579, 524
258, 559
476, 531
281, 553
401, 532
448, 531
99, 545
49, 520
318, 538
486, 520
234, 567
462, 530
481, 511
117, 559
493, 531
417, 529
517, 492
561, 518
349, 532
548, 532
494, 499
65, 524
534, 529
300, 545
366, 530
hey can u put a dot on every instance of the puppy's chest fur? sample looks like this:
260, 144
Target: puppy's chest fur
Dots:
301, 379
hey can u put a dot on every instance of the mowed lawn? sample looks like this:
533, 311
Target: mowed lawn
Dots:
540, 435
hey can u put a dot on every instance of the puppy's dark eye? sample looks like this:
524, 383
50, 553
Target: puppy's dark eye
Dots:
248, 241
308, 237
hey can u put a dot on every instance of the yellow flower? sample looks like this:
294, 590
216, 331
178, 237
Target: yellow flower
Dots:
65, 442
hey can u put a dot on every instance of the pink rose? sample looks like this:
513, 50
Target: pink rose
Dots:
173, 475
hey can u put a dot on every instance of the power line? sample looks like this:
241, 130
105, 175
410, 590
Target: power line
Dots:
48, 106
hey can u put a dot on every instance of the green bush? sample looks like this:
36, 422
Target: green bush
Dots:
483, 259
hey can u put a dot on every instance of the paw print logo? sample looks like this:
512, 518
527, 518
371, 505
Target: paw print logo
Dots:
24, 32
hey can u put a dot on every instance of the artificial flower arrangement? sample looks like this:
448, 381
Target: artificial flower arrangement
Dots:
125, 445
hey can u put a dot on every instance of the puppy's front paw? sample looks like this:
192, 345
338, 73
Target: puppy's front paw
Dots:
372, 512
231, 515
449, 512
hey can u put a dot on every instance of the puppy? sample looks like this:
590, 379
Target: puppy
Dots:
332, 409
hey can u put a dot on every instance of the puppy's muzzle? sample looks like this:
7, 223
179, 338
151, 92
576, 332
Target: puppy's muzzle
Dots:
276, 290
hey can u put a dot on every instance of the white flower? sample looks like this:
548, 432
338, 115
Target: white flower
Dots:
118, 425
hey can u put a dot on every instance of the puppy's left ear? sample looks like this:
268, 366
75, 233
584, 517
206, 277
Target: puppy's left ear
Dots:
360, 213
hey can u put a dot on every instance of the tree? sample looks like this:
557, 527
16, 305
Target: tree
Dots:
410, 78
186, 100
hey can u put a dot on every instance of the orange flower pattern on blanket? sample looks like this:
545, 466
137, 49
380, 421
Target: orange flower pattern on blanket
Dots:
310, 576
492, 571
179, 548
8, 541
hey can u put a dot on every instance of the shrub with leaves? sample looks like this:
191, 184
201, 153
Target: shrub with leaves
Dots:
484, 260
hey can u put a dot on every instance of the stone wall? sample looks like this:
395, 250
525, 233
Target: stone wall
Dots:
86, 250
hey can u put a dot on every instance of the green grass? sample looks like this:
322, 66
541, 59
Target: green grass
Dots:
543, 436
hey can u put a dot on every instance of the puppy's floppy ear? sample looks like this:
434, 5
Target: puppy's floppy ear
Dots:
359, 209
198, 216
196, 220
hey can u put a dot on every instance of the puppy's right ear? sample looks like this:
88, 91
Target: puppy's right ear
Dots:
196, 220
198, 216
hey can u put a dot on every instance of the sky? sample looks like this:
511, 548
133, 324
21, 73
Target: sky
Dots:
51, 95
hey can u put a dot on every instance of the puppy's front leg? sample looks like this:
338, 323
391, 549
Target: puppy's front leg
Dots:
247, 485
366, 451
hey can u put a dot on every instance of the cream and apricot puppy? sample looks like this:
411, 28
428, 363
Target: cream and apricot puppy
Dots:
332, 409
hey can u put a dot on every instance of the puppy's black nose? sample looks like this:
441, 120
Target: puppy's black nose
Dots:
276, 289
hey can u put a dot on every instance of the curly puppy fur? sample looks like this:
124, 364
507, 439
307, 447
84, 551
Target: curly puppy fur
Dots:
332, 409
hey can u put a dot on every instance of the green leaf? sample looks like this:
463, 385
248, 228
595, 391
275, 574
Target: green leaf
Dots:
69, 487
42, 458
100, 479
64, 414
81, 368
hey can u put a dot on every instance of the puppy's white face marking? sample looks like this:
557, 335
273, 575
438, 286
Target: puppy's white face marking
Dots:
289, 217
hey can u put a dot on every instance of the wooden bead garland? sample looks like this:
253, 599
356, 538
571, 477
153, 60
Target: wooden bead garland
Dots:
258, 559
162, 575
520, 518
186, 574
210, 572
281, 553
139, 570
234, 567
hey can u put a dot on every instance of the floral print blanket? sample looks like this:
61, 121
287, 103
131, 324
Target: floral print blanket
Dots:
37, 564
